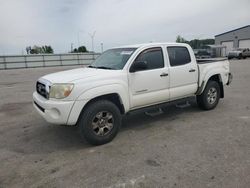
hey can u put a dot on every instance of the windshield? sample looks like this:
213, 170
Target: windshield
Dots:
113, 59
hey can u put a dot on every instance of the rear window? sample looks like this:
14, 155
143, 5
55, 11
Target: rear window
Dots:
178, 55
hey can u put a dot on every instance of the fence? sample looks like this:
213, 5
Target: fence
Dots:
46, 60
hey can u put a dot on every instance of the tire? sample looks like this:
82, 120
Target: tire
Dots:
210, 97
240, 56
100, 122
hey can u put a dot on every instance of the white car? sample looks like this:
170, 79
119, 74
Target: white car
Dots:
239, 53
127, 79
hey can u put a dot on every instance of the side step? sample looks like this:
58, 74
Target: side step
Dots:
155, 112
157, 109
183, 105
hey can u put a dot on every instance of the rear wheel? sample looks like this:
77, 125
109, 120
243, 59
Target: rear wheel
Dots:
209, 99
100, 122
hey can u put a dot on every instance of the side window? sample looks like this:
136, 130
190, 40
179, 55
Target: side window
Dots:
153, 57
178, 55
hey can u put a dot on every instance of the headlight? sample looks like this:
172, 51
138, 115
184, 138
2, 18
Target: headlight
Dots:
60, 91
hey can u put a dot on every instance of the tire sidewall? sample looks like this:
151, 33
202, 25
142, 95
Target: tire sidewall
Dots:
211, 84
85, 123
202, 100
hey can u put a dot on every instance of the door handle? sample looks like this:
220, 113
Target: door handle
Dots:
192, 70
164, 74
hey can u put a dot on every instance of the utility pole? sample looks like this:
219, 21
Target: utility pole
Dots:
92, 39
72, 48
78, 40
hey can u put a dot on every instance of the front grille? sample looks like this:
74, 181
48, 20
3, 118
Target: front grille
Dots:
41, 89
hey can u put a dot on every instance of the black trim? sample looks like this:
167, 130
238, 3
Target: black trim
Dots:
161, 105
230, 78
41, 90
198, 92
38, 106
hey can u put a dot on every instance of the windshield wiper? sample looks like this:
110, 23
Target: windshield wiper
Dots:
101, 67
90, 66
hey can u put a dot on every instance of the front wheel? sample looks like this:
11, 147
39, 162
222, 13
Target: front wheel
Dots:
100, 122
209, 99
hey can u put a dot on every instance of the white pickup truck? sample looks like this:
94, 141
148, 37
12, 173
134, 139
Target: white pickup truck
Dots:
126, 79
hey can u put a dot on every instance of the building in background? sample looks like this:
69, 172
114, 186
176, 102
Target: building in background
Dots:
237, 38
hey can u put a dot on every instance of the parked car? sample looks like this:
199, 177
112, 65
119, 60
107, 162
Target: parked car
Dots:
202, 54
127, 79
239, 53
246, 53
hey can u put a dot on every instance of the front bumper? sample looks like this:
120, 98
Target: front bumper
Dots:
230, 78
55, 112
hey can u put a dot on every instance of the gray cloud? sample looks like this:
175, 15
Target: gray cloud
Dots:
60, 22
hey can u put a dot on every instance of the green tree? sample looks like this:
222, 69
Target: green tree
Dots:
195, 43
75, 50
180, 39
35, 50
81, 49
39, 50
47, 50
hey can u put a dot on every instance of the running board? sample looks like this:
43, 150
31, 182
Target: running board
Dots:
162, 105
153, 113
183, 105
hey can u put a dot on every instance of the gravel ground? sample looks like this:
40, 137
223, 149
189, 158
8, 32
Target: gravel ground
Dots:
183, 147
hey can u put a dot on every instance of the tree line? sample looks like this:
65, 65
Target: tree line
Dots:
49, 50
195, 43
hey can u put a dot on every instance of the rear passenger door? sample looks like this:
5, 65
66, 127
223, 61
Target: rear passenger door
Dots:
149, 86
183, 72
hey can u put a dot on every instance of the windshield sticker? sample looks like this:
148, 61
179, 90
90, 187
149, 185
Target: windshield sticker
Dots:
126, 52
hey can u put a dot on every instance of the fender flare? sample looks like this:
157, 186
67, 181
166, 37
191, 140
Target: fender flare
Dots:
102, 90
205, 81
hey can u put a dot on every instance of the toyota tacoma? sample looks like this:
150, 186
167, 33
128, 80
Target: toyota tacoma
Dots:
127, 79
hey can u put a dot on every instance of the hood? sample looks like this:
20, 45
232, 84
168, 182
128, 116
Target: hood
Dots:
75, 74
234, 52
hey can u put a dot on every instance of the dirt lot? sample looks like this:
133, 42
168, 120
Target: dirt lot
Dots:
184, 147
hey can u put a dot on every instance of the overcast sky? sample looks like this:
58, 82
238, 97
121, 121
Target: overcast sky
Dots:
117, 22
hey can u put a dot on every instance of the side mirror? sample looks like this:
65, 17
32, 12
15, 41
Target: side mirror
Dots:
138, 66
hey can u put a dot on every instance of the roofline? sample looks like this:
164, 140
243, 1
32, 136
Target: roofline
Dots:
232, 30
150, 44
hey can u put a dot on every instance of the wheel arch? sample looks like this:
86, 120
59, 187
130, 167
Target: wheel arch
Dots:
215, 77
112, 97
115, 93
